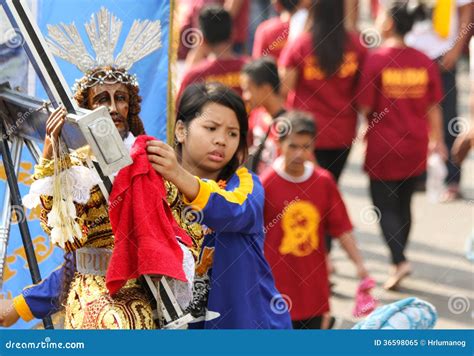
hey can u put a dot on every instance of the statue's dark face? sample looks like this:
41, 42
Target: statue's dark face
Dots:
116, 98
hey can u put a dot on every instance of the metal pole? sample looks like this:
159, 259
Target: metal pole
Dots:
22, 223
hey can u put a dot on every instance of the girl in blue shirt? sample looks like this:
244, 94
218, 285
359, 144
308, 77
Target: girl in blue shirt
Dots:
234, 287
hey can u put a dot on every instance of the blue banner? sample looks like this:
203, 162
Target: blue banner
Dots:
152, 73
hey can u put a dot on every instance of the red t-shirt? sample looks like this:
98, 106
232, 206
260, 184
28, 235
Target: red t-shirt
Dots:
270, 38
224, 71
297, 216
329, 99
398, 85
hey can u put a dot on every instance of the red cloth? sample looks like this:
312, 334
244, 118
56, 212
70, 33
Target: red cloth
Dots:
330, 100
297, 214
270, 38
143, 225
398, 85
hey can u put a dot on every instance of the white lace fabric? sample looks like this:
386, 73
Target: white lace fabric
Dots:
81, 179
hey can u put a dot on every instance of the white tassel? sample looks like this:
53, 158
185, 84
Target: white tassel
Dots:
62, 217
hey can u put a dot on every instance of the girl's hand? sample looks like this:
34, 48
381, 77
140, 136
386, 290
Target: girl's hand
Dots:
163, 159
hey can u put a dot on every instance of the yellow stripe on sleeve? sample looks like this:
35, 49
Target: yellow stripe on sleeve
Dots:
238, 196
22, 308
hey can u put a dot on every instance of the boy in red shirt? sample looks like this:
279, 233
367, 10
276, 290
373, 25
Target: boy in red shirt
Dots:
271, 35
399, 93
302, 203
222, 65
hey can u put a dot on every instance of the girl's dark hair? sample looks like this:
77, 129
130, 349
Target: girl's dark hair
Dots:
289, 5
193, 100
404, 16
329, 34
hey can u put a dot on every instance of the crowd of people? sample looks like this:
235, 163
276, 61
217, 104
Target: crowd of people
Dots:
265, 122
306, 76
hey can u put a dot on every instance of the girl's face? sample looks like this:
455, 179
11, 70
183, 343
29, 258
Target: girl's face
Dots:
210, 140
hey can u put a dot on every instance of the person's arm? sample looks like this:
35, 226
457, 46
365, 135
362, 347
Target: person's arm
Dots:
258, 43
288, 67
435, 119
462, 145
233, 7
289, 77
348, 243
238, 210
449, 59
351, 10
35, 301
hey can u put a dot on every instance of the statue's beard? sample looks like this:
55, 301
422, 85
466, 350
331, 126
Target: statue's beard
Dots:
122, 125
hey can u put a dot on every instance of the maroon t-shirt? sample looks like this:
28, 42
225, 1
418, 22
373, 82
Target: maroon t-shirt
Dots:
270, 38
224, 71
329, 99
297, 216
398, 85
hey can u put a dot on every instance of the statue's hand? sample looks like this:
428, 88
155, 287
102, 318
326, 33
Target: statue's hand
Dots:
8, 314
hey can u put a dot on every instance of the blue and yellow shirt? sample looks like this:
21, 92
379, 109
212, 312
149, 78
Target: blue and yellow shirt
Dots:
240, 291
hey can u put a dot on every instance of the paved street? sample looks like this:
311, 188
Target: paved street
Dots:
442, 275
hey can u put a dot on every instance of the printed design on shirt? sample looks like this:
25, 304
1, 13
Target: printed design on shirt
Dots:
404, 83
231, 79
300, 225
312, 71
205, 261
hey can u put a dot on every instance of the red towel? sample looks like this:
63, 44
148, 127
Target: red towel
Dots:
143, 225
